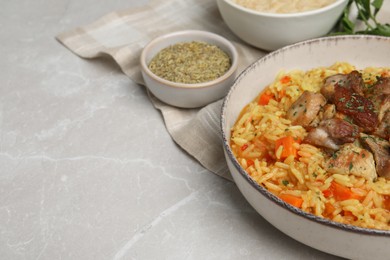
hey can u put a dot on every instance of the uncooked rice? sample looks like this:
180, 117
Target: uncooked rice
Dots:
283, 6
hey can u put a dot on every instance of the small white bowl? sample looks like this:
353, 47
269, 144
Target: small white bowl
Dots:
188, 95
323, 234
270, 31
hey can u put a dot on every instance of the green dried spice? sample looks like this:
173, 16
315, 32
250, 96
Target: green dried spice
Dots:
190, 62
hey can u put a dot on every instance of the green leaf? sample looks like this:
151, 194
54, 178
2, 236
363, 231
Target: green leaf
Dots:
377, 4
367, 11
366, 4
383, 30
364, 10
348, 25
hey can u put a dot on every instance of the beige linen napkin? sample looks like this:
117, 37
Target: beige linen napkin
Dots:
122, 36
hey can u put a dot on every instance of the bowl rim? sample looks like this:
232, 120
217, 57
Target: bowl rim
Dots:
225, 42
286, 15
273, 198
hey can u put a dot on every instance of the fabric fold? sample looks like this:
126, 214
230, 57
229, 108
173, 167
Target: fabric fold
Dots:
122, 35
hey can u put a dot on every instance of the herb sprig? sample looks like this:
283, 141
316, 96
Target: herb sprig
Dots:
367, 11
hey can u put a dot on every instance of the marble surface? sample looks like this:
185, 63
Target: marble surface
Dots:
87, 169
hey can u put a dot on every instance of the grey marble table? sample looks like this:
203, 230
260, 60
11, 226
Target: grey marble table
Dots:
87, 169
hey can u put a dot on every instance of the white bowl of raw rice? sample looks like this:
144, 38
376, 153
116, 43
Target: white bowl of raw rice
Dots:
272, 24
329, 191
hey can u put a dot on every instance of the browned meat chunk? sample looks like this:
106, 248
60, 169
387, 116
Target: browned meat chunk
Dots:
381, 150
351, 159
355, 82
329, 111
340, 130
319, 137
379, 94
305, 109
358, 108
383, 129
330, 82
352, 81
331, 133
384, 107
382, 86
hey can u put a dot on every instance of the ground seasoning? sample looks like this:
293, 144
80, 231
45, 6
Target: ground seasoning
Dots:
190, 62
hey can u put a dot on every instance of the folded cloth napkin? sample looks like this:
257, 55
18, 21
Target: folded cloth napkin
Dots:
122, 36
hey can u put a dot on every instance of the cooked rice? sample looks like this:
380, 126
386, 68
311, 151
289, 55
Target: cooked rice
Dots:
253, 143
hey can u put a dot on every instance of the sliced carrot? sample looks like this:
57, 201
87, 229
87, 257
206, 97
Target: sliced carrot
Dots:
386, 202
265, 98
298, 140
348, 214
329, 209
285, 79
291, 199
268, 158
282, 93
243, 148
343, 193
288, 146
249, 162
327, 193
340, 192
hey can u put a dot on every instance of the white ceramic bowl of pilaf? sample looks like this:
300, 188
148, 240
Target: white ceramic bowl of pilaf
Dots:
272, 24
295, 186
189, 69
